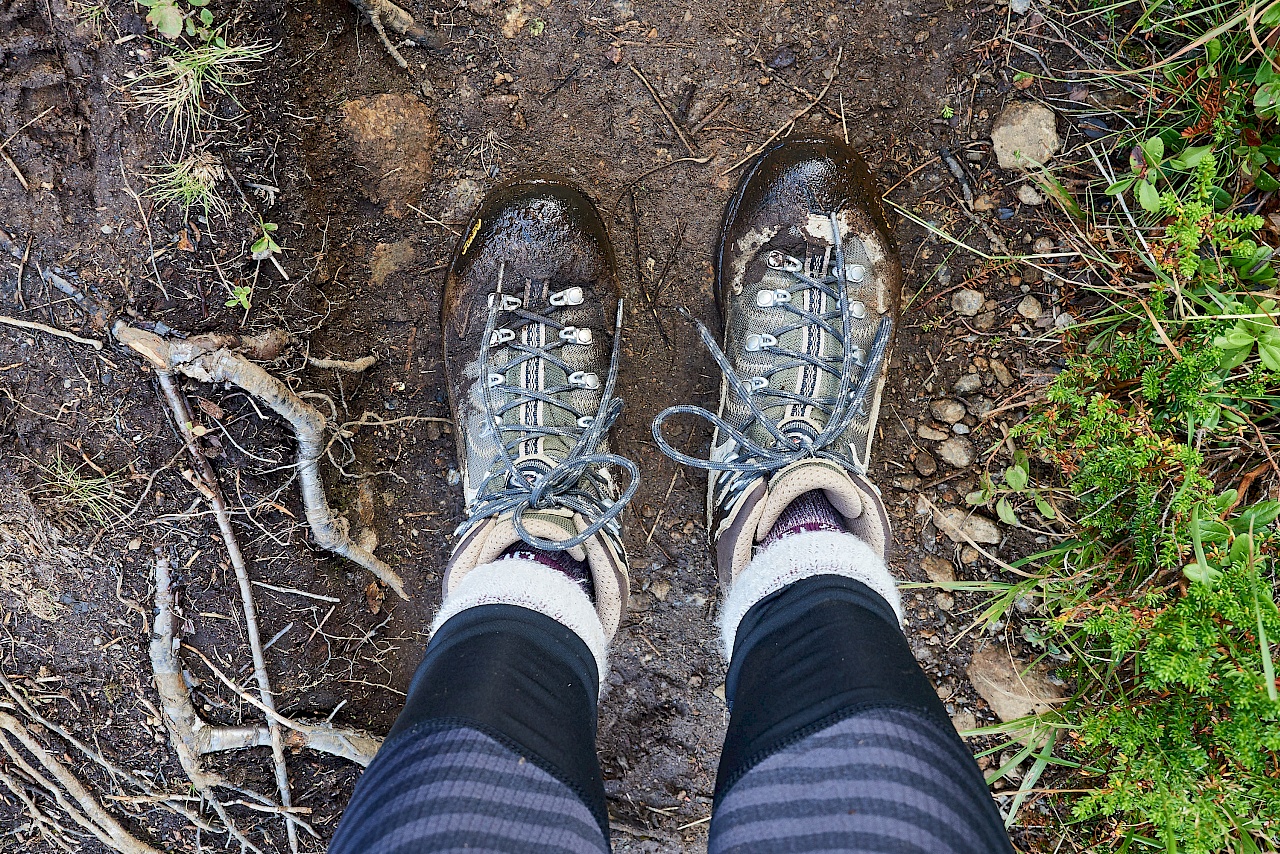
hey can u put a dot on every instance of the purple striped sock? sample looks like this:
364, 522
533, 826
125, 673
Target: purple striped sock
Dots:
562, 562
810, 512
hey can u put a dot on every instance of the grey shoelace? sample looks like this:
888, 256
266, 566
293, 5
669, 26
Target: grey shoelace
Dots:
848, 403
561, 485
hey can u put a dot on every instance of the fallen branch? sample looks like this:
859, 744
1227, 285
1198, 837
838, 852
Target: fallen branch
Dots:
384, 15
193, 737
85, 811
202, 360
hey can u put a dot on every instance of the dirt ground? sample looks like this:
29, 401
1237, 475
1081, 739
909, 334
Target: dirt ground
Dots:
368, 221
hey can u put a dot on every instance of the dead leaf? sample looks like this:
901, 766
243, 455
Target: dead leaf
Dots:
374, 595
208, 407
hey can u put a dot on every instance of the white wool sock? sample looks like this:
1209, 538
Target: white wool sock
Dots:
532, 585
800, 556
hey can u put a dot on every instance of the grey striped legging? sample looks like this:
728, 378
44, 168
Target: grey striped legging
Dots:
836, 741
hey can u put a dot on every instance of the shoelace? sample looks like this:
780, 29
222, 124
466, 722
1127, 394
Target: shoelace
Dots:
559, 486
841, 411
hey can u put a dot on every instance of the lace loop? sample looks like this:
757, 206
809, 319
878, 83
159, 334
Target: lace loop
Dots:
561, 486
842, 410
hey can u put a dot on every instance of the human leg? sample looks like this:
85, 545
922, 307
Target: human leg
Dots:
836, 739
495, 749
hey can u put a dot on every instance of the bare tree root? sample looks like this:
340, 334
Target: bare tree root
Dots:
384, 15
213, 493
71, 795
201, 360
193, 737
352, 366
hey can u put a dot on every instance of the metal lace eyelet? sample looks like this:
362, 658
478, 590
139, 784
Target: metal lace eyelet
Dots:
855, 272
768, 299
496, 379
586, 421
859, 357
501, 336
568, 296
509, 303
574, 335
756, 343
582, 379
858, 310
758, 383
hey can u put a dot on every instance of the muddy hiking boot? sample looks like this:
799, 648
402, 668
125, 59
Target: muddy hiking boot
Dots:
531, 317
808, 285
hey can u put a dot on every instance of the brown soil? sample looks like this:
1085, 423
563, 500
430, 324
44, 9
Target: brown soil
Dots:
371, 182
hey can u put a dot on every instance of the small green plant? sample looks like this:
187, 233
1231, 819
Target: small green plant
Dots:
80, 494
191, 182
1015, 484
171, 20
265, 247
95, 15
947, 111
240, 295
179, 87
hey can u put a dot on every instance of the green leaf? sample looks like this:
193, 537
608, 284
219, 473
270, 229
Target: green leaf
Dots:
1120, 186
1153, 149
1045, 508
1213, 50
1270, 355
1005, 511
976, 497
1192, 156
1148, 197
1256, 516
1266, 101
166, 18
1016, 477
1266, 182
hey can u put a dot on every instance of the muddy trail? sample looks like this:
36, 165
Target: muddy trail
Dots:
369, 176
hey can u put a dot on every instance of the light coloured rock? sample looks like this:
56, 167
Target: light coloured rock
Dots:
958, 524
969, 555
939, 570
1030, 308
947, 411
1019, 7
1028, 195
968, 384
960, 429
984, 203
956, 452
985, 321
1025, 134
1010, 689
927, 432
1042, 246
967, 302
944, 601
978, 405
1003, 375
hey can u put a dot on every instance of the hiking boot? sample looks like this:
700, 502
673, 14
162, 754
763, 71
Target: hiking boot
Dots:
531, 316
808, 284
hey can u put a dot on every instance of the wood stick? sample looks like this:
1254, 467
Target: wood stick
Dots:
40, 327
661, 106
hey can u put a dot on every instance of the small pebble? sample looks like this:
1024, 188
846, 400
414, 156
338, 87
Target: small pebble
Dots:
967, 302
1030, 308
1042, 246
926, 464
933, 435
946, 410
1028, 195
1003, 376
938, 569
968, 384
960, 429
956, 452
944, 601
978, 406
984, 321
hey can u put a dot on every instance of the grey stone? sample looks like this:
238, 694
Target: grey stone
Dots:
978, 406
956, 452
967, 302
927, 432
947, 410
968, 384
958, 524
1042, 246
1028, 195
1030, 308
984, 321
960, 429
945, 601
1025, 133
1019, 7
